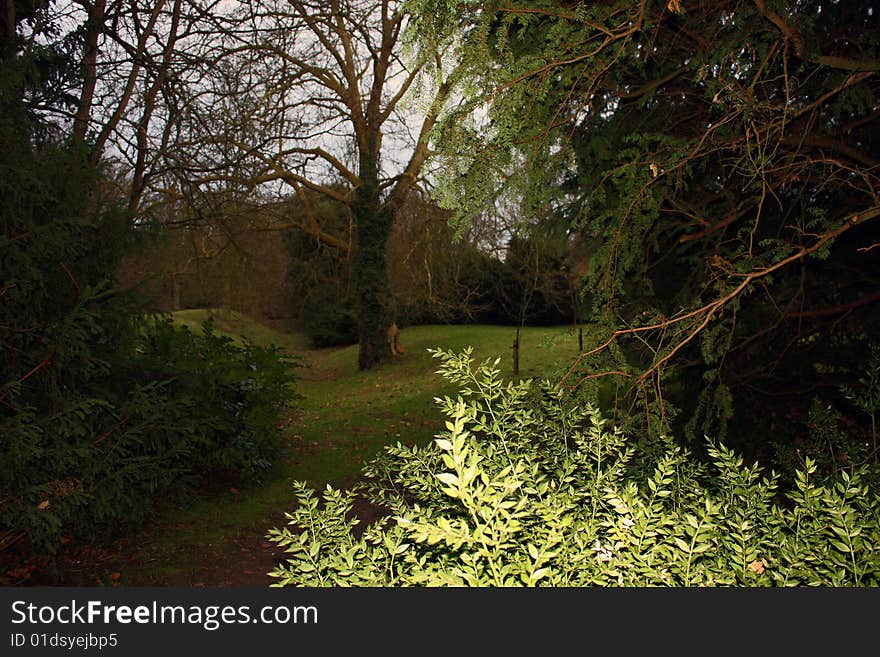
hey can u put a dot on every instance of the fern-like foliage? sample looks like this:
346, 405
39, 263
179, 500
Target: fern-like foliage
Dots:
523, 489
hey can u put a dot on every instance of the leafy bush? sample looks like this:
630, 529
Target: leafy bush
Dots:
232, 393
171, 408
523, 488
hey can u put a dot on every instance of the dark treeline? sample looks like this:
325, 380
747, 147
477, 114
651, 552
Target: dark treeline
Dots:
489, 275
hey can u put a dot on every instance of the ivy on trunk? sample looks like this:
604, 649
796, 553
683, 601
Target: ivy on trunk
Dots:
373, 221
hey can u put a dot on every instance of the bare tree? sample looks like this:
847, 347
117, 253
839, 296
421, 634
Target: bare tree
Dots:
307, 98
133, 61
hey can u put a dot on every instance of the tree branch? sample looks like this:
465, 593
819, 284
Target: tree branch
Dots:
836, 310
705, 313
831, 61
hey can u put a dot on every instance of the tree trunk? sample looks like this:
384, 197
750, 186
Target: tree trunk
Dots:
94, 28
373, 221
516, 353
176, 284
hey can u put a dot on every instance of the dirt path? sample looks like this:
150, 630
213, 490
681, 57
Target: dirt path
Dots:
240, 563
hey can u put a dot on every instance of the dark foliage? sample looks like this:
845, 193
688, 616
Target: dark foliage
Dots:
231, 394
439, 281
320, 280
101, 416
719, 162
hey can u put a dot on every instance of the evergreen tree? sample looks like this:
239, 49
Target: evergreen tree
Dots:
720, 160
101, 414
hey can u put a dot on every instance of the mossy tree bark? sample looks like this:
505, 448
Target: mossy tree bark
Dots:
373, 222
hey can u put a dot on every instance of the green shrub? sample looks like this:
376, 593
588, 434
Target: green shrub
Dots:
232, 394
172, 409
523, 488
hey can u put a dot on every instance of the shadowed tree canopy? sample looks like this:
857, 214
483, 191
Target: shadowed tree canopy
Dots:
720, 159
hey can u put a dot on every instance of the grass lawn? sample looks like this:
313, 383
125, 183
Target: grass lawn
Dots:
344, 417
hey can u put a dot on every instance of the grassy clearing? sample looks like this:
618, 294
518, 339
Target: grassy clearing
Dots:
238, 326
351, 414
345, 417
